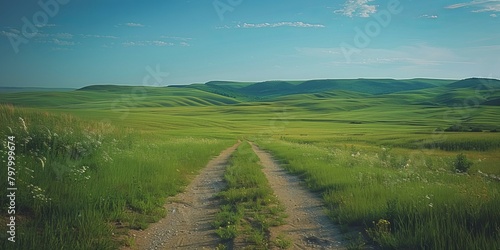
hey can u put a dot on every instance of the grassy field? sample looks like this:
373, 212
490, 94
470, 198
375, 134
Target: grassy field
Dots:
95, 162
83, 184
402, 200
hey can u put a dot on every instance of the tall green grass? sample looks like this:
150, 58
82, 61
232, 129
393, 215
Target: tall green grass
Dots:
83, 184
404, 201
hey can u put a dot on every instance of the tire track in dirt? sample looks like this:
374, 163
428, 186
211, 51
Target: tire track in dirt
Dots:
190, 213
307, 225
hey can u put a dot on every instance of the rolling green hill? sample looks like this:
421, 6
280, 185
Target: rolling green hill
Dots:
312, 94
425, 103
115, 97
469, 92
270, 89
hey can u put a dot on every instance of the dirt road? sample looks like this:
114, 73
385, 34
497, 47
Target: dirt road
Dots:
189, 214
307, 225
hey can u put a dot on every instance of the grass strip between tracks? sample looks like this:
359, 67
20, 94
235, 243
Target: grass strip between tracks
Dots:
249, 207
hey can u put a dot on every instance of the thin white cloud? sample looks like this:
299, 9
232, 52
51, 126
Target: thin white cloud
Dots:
493, 15
360, 8
108, 45
14, 31
273, 25
147, 43
479, 5
40, 35
8, 33
61, 39
281, 24
63, 42
98, 36
130, 44
45, 25
490, 7
132, 25
61, 49
63, 35
428, 16
177, 38
160, 43
223, 27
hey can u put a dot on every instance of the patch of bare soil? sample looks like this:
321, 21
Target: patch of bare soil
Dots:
189, 214
307, 225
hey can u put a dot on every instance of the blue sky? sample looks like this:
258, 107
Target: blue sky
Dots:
74, 43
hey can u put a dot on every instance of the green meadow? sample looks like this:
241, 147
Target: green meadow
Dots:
411, 164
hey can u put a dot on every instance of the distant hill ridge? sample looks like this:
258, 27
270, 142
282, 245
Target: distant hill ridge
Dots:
105, 87
471, 91
439, 92
31, 89
276, 88
368, 86
480, 83
306, 93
